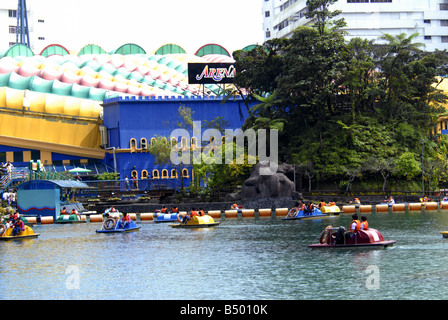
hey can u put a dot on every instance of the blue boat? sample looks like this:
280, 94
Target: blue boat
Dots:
110, 225
165, 217
296, 214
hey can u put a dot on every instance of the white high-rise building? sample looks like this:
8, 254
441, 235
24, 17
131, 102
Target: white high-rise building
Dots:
368, 19
8, 25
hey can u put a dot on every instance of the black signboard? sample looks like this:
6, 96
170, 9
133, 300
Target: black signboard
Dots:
208, 73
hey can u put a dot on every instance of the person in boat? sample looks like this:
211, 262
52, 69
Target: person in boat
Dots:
193, 212
126, 220
18, 227
364, 223
445, 199
64, 211
234, 206
174, 210
164, 210
201, 212
321, 204
355, 225
391, 200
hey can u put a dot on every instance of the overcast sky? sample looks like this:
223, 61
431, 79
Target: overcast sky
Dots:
233, 24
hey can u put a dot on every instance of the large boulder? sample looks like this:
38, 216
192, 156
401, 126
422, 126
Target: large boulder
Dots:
275, 185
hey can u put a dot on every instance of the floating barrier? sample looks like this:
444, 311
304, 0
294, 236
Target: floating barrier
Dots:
264, 212
431, 206
365, 209
349, 209
443, 205
248, 213
82, 217
398, 207
281, 211
414, 206
231, 213
146, 216
382, 208
32, 220
96, 218
215, 213
46, 220
133, 216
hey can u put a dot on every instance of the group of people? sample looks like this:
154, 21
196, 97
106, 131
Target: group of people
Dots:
114, 214
65, 212
165, 210
14, 221
187, 217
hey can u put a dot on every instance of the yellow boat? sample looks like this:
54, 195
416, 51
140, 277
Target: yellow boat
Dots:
25, 234
197, 222
331, 209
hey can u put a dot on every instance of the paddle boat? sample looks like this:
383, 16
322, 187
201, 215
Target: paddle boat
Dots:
71, 218
6, 233
111, 225
331, 209
337, 238
164, 217
196, 222
296, 213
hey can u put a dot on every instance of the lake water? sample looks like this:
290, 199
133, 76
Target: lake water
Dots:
243, 258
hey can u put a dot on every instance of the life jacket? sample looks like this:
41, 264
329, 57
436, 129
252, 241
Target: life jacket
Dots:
201, 213
311, 207
234, 206
322, 204
175, 210
112, 210
73, 212
358, 225
302, 207
164, 210
194, 213
63, 211
364, 225
332, 204
126, 218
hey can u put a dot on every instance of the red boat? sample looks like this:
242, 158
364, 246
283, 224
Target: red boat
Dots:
339, 238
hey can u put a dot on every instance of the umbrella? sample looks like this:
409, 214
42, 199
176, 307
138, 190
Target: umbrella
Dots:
79, 170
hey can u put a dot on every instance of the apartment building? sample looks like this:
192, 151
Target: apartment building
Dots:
368, 19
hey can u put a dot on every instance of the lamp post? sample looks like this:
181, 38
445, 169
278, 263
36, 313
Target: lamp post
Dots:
423, 168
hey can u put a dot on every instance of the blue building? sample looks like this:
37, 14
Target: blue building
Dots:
132, 124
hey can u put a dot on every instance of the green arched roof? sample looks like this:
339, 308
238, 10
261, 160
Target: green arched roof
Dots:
129, 48
91, 49
250, 47
170, 49
18, 50
212, 48
54, 49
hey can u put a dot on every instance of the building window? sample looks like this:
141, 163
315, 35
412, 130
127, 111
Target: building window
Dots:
444, 23
267, 14
173, 173
356, 1
194, 142
153, 140
144, 143
12, 13
173, 142
443, 6
380, 0
427, 21
268, 34
165, 174
12, 29
155, 174
444, 39
144, 174
185, 173
133, 144
428, 37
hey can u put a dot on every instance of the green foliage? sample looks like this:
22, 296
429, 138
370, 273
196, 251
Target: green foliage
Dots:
342, 106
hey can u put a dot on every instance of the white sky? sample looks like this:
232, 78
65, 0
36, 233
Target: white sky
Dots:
233, 24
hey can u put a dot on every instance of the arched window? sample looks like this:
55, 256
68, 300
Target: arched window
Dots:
165, 174
194, 142
173, 173
134, 173
173, 142
155, 174
185, 173
133, 144
144, 143
153, 140
144, 174
164, 140
183, 142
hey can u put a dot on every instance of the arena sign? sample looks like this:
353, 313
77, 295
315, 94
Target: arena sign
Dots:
211, 73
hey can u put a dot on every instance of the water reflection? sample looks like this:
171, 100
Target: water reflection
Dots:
246, 258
